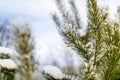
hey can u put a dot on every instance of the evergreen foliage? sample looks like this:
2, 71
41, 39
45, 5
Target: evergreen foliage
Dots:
24, 45
99, 47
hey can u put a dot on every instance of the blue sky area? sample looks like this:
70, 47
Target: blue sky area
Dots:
39, 11
43, 27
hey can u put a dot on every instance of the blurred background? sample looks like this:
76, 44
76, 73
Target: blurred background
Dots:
50, 47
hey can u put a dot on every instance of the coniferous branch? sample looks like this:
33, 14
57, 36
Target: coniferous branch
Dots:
68, 16
72, 20
24, 45
56, 20
64, 12
76, 13
96, 21
112, 58
94, 44
72, 39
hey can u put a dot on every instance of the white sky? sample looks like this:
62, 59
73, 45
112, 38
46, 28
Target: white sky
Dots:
39, 11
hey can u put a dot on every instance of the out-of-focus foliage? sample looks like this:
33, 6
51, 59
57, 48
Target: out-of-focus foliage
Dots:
98, 45
24, 44
4, 33
7, 69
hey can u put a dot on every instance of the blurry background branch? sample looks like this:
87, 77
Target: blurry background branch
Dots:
4, 33
23, 43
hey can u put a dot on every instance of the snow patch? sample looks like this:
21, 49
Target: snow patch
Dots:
53, 71
8, 63
81, 32
6, 51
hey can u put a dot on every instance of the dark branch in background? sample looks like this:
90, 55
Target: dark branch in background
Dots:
56, 20
4, 33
